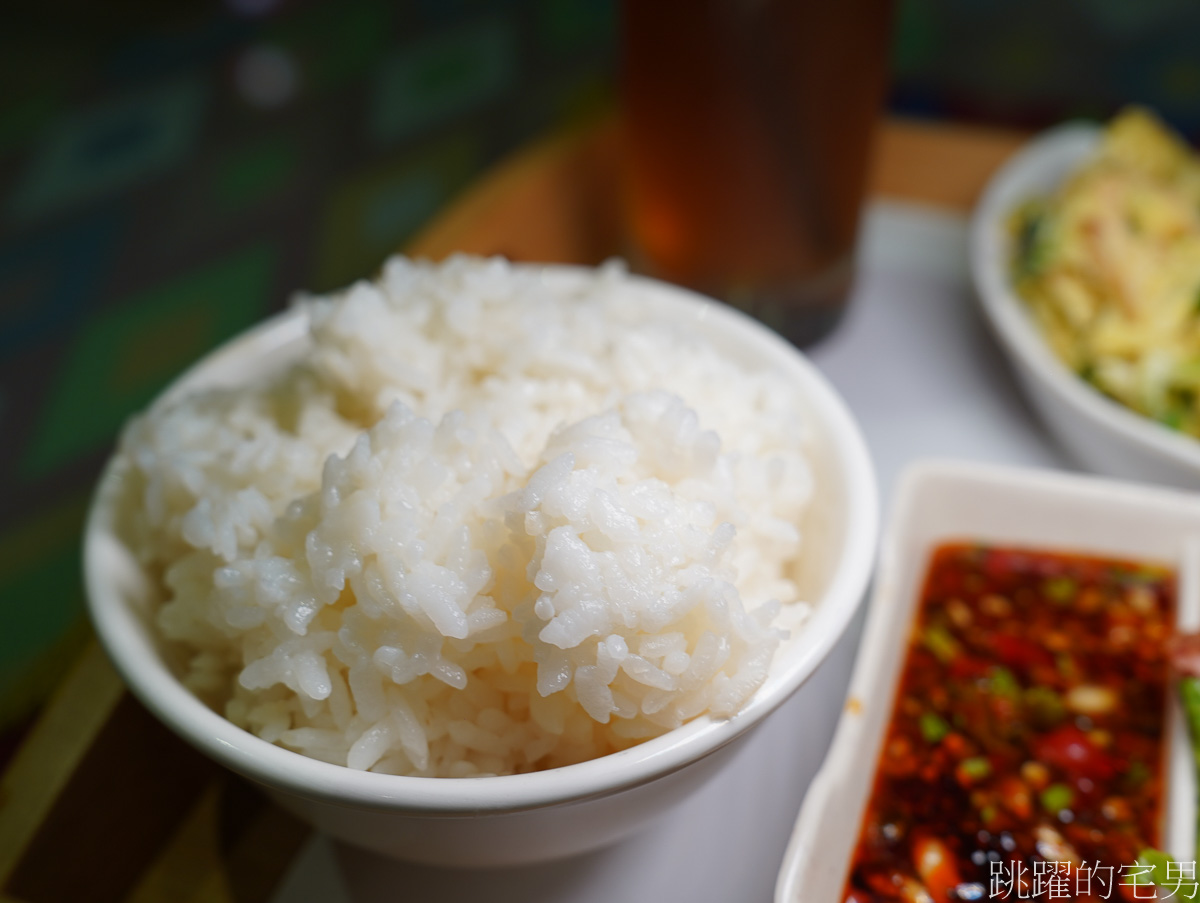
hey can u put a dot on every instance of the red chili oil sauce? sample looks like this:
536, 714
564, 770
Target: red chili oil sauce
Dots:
1028, 728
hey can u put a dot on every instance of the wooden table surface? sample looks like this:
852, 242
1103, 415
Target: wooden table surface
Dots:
556, 201
102, 804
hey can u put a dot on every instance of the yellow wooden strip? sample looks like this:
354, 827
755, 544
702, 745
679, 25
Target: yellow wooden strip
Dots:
190, 868
263, 853
56, 744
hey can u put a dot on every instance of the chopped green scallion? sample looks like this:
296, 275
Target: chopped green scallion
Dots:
1137, 773
1157, 867
940, 642
1057, 797
1060, 590
933, 727
976, 768
1003, 683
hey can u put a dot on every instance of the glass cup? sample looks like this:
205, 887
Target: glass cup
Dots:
748, 127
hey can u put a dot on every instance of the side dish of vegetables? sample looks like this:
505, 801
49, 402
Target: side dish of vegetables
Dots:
1110, 268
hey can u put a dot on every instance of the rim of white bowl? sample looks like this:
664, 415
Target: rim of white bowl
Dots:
133, 652
1037, 168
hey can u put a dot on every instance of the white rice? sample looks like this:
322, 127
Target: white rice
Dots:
483, 526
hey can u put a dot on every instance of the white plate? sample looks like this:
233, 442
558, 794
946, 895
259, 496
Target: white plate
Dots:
937, 502
1101, 434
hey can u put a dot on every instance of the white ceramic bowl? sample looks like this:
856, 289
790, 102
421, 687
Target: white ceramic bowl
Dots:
940, 502
1103, 435
529, 817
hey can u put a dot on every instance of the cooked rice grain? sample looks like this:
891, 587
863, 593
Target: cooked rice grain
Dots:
482, 525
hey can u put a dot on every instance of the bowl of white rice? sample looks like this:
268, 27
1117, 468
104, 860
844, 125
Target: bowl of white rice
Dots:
482, 563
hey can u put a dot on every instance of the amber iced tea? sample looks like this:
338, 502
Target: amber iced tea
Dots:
748, 128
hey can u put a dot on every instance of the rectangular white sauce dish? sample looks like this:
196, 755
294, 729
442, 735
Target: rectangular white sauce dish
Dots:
940, 502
